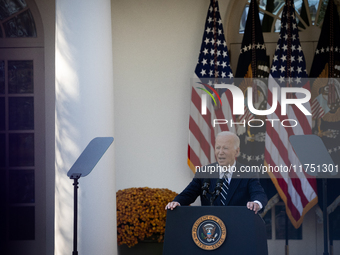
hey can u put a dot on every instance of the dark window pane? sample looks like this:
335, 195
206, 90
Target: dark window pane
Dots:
2, 150
267, 20
2, 215
2, 186
267, 23
2, 113
280, 231
21, 223
276, 6
262, 4
21, 185
313, 7
244, 19
2, 211
20, 76
300, 24
21, 26
322, 12
21, 150
2, 76
10, 7
268, 221
300, 8
21, 113
272, 6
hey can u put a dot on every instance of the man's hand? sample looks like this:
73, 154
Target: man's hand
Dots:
253, 206
172, 205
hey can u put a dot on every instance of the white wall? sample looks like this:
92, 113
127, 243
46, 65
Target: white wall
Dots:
155, 51
84, 110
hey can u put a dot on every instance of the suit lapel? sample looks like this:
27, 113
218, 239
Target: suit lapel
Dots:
232, 188
235, 181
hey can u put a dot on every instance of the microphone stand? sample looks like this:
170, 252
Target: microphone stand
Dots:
213, 194
212, 199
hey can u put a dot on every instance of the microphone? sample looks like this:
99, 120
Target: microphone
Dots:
218, 187
217, 191
205, 187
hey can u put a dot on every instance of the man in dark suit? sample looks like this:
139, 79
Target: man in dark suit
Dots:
238, 188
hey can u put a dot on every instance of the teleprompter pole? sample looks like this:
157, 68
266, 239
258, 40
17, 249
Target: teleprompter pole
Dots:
325, 213
286, 234
75, 178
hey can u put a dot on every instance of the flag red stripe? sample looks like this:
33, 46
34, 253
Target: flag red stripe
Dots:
219, 114
196, 100
278, 113
278, 144
283, 186
196, 131
193, 157
312, 182
296, 181
230, 100
303, 121
284, 155
302, 118
315, 104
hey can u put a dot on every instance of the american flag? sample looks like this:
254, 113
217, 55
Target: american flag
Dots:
253, 69
246, 116
319, 107
213, 67
288, 69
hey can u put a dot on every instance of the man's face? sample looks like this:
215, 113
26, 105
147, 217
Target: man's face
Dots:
225, 151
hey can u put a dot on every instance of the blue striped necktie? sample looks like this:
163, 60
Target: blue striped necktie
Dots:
225, 188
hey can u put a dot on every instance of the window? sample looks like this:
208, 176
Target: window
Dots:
22, 129
308, 12
18, 143
16, 19
309, 16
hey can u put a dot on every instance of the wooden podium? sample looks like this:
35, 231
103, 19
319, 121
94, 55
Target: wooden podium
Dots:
231, 230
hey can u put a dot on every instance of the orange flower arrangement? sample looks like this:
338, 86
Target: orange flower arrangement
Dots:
141, 214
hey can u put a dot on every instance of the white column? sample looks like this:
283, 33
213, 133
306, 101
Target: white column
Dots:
84, 110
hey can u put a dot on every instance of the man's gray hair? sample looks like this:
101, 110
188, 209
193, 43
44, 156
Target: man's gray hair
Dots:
236, 138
